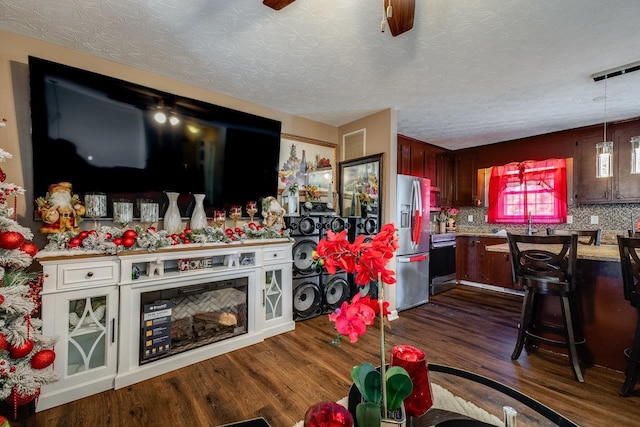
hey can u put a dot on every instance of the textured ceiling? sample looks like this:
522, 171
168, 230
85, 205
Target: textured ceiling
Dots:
470, 72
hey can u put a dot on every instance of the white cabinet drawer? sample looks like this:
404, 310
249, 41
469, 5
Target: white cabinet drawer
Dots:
276, 255
88, 274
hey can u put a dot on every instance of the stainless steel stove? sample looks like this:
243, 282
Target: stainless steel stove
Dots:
442, 265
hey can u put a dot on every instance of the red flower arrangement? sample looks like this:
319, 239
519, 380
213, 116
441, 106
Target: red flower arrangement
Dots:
381, 390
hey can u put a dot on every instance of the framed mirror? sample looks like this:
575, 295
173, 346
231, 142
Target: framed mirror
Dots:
360, 187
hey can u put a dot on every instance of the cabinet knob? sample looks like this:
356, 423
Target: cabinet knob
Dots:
275, 255
90, 274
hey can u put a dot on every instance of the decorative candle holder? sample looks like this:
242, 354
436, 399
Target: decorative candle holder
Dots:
149, 212
122, 212
414, 362
252, 209
328, 414
219, 218
235, 213
96, 206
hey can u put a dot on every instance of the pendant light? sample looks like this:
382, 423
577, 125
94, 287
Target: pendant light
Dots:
604, 150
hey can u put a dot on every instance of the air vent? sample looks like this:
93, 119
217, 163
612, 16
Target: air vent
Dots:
625, 69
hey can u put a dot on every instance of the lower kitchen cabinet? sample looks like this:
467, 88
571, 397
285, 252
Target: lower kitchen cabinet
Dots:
475, 264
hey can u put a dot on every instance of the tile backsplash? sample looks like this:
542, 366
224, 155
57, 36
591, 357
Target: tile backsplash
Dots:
613, 219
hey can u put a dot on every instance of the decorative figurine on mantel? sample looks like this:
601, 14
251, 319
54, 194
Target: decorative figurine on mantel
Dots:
272, 213
60, 209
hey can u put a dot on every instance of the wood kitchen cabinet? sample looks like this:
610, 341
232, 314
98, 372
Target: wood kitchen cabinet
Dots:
622, 187
475, 264
444, 178
417, 158
464, 180
496, 266
467, 260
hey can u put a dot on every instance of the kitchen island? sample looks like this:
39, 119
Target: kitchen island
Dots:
608, 319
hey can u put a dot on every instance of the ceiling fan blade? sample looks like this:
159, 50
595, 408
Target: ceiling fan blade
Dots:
401, 19
277, 4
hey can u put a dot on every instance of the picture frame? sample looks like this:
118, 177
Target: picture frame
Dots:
319, 157
360, 187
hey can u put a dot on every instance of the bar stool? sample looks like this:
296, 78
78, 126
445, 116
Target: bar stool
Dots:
629, 252
546, 265
594, 236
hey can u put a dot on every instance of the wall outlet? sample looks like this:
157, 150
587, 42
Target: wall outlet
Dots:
569, 219
594, 219
470, 218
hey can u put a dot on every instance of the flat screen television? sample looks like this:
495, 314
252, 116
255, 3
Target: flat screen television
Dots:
99, 133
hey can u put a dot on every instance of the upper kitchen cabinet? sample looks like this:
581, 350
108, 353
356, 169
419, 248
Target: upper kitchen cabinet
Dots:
444, 178
623, 184
465, 180
417, 158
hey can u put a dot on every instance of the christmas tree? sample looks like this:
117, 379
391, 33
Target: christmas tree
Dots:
25, 354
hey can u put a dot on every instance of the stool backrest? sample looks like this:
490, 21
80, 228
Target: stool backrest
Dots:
629, 250
593, 237
541, 260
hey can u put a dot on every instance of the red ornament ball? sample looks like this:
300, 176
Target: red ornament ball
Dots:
127, 242
130, 234
42, 359
4, 344
83, 235
11, 240
74, 242
16, 352
29, 248
117, 241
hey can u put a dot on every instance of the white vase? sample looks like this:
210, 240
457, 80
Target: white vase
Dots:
292, 204
199, 216
172, 222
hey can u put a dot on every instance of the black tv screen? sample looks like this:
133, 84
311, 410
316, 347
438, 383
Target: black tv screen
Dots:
99, 133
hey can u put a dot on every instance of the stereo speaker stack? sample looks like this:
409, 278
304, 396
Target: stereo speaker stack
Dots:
315, 291
369, 227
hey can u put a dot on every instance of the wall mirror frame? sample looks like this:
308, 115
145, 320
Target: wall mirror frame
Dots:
360, 186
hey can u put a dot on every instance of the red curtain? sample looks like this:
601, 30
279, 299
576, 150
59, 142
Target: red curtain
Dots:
517, 189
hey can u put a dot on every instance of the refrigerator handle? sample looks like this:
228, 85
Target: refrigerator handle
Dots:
416, 258
417, 226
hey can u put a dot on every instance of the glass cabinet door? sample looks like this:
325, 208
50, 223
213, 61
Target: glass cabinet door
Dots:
86, 324
272, 300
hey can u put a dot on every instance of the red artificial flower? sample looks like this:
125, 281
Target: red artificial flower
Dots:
353, 318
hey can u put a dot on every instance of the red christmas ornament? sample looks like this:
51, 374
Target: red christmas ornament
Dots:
127, 242
29, 248
4, 344
11, 240
130, 234
74, 242
16, 352
42, 359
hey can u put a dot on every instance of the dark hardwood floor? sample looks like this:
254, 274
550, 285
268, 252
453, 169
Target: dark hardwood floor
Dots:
278, 379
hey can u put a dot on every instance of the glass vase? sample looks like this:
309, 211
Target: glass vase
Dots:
199, 216
325, 414
172, 221
414, 362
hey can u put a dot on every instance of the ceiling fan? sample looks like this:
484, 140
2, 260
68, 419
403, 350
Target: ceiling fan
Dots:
398, 13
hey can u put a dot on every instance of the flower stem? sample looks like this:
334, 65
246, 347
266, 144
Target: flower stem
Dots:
383, 366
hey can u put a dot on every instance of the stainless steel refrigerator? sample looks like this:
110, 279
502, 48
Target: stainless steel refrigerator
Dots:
412, 256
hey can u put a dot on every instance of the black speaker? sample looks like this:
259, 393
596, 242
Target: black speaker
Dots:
303, 226
307, 297
335, 290
334, 223
367, 226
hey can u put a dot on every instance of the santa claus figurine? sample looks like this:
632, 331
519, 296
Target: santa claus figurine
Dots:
60, 210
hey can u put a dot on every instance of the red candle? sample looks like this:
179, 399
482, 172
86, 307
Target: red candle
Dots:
414, 362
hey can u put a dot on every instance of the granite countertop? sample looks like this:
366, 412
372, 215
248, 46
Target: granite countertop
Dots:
595, 253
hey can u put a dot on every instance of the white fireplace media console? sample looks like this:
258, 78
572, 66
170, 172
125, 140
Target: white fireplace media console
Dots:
93, 304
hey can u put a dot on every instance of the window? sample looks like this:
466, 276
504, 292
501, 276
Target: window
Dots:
530, 188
